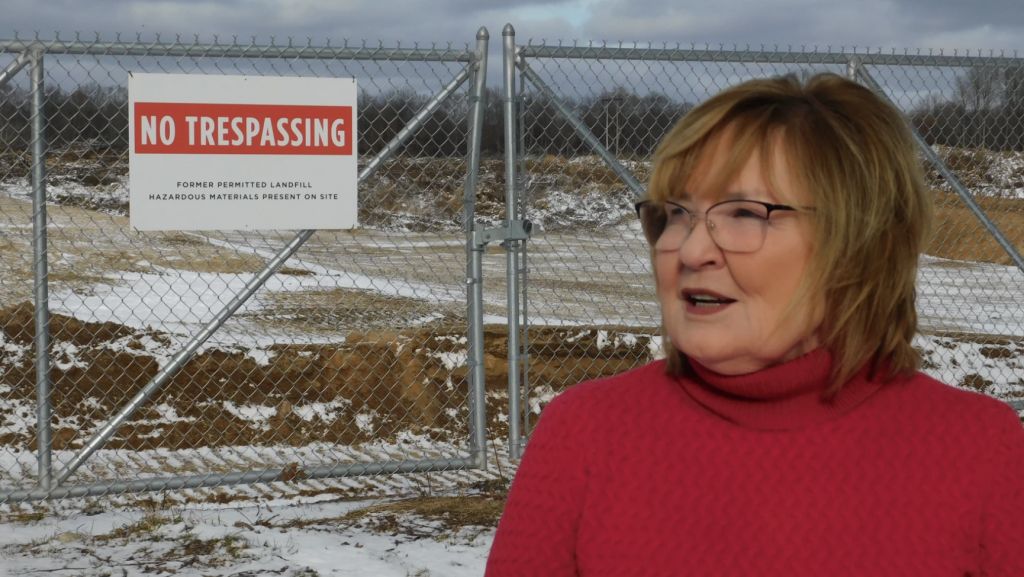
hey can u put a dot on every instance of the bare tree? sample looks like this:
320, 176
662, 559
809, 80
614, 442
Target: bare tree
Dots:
979, 91
1013, 87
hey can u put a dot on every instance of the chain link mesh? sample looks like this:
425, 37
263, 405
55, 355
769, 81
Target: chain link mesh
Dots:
590, 288
353, 352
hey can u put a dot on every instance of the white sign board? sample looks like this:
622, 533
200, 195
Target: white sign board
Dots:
242, 153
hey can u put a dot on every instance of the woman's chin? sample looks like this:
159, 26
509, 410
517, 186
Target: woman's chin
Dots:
730, 361
724, 363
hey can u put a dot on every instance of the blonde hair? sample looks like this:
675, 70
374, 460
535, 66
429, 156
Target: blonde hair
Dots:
857, 162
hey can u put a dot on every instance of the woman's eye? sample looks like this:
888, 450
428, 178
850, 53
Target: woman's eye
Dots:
745, 213
675, 213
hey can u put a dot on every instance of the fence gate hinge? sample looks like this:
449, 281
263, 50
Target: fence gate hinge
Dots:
511, 230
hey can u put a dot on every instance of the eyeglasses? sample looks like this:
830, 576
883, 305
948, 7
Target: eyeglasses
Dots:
734, 225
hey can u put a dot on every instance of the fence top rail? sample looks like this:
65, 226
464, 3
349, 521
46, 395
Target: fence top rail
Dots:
434, 53
767, 56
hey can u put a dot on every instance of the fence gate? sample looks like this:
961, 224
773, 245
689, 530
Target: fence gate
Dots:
587, 120
134, 361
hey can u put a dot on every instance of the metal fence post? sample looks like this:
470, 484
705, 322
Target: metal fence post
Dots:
525, 349
511, 246
962, 191
44, 440
851, 68
474, 261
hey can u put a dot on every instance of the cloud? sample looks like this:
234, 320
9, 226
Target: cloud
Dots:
961, 15
979, 40
390, 20
888, 23
788, 22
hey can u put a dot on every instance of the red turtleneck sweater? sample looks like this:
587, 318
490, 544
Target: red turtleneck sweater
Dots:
649, 474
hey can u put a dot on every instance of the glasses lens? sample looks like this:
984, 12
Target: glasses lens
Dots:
739, 226
652, 220
666, 225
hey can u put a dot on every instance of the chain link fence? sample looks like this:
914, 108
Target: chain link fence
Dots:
588, 119
133, 361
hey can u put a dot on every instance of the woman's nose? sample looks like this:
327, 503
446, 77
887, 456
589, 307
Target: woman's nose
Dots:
699, 249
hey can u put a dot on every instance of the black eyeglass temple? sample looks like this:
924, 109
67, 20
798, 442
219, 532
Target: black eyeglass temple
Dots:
768, 205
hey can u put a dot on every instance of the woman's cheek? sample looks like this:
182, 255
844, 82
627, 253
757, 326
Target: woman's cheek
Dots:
666, 274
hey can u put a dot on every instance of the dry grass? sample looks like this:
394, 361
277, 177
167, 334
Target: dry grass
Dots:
454, 512
959, 235
324, 311
24, 517
149, 523
978, 338
418, 194
420, 517
186, 550
584, 174
86, 248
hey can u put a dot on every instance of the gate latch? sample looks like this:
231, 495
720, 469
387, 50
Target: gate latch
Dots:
512, 230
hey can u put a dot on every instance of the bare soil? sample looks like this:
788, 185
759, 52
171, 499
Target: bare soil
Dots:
400, 377
959, 235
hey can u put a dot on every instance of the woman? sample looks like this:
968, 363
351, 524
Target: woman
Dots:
788, 431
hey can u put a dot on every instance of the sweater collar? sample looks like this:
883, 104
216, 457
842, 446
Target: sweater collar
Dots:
781, 397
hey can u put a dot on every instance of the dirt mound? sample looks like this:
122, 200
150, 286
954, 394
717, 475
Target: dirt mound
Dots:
371, 386
959, 235
18, 325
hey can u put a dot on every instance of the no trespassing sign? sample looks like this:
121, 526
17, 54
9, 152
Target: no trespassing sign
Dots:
242, 153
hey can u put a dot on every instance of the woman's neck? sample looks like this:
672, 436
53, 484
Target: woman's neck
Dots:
786, 396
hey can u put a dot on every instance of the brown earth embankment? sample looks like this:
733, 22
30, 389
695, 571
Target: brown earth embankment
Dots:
372, 386
959, 235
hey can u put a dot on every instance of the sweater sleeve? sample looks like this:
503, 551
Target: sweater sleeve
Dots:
1002, 532
537, 531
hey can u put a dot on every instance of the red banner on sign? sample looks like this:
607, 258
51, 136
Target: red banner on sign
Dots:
193, 128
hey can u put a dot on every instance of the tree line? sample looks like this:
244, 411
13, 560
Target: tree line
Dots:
630, 124
90, 113
986, 110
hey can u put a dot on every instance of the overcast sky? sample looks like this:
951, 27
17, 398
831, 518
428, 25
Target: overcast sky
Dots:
945, 24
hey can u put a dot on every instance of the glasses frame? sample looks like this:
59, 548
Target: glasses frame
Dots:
709, 223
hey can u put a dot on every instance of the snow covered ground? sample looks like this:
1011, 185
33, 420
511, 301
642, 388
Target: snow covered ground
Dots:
437, 525
270, 538
588, 267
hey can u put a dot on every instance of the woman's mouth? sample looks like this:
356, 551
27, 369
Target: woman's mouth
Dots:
701, 302
708, 301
